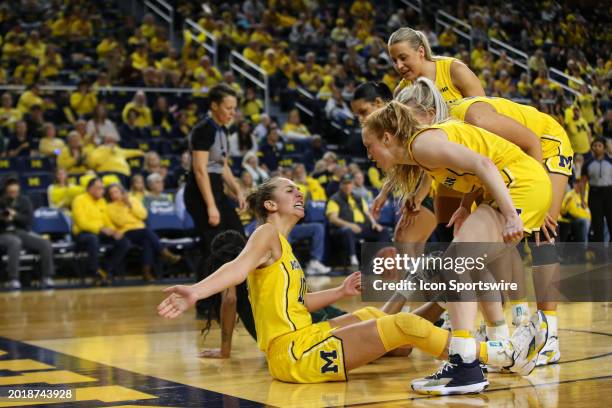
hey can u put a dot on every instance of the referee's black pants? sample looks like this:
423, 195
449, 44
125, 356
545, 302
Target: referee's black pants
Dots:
195, 205
600, 204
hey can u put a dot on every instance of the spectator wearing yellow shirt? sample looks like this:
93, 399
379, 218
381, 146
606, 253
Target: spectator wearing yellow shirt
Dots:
29, 98
240, 35
12, 49
230, 80
8, 114
362, 9
83, 101
294, 128
213, 76
524, 85
261, 36
159, 44
446, 39
139, 104
587, 104
350, 220
128, 216
251, 107
169, 63
34, 46
140, 57
51, 63
309, 186
137, 187
269, 63
73, 157
502, 85
200, 86
108, 44
62, 192
80, 26
575, 214
61, 26
109, 157
92, 227
252, 52
340, 33
148, 26
578, 131
50, 145
26, 72
477, 53
537, 62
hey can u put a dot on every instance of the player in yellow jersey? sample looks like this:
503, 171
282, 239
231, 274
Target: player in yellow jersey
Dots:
517, 194
540, 136
417, 221
412, 58
301, 352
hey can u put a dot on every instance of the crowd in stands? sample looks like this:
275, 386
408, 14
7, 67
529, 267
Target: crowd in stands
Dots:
134, 144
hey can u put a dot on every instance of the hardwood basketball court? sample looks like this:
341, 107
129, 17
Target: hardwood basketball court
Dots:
111, 348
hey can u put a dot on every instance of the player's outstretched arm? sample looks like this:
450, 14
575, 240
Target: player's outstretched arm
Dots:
256, 252
350, 287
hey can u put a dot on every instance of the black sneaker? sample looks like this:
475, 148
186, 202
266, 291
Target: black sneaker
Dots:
453, 377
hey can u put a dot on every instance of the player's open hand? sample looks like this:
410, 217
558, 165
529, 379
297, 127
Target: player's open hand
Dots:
457, 219
180, 299
352, 284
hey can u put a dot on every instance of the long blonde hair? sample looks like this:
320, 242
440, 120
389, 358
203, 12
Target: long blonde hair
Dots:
400, 121
415, 38
424, 96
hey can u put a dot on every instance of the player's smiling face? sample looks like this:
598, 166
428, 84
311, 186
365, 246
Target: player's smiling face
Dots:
407, 61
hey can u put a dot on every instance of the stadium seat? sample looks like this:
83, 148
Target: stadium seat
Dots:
387, 214
36, 164
35, 181
315, 211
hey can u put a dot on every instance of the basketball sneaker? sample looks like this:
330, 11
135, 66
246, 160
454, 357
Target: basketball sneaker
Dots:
520, 314
550, 353
453, 377
519, 354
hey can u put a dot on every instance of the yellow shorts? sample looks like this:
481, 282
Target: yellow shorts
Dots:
309, 355
557, 152
530, 189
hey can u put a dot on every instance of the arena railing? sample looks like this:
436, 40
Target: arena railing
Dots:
209, 43
304, 93
517, 57
164, 11
253, 74
416, 5
443, 19
564, 80
110, 89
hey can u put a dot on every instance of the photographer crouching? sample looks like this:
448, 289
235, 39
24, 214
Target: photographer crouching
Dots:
15, 234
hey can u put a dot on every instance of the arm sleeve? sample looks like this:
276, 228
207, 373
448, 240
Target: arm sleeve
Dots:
138, 209
332, 207
23, 218
202, 138
82, 220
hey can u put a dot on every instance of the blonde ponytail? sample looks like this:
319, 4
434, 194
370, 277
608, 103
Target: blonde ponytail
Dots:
424, 96
415, 38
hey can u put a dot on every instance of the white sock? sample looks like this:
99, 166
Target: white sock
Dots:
465, 347
553, 325
496, 356
497, 333
354, 260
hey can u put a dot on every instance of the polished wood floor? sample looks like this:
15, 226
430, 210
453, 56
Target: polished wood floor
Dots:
110, 347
